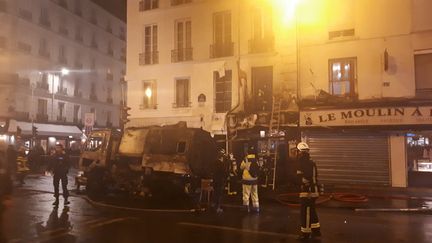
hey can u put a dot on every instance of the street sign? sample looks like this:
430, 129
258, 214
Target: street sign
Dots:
89, 119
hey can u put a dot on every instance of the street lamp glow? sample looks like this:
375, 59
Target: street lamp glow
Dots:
64, 71
148, 92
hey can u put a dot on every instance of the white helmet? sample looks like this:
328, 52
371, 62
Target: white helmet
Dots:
302, 146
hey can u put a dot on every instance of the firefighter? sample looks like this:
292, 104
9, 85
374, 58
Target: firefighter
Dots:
219, 179
60, 167
309, 192
250, 180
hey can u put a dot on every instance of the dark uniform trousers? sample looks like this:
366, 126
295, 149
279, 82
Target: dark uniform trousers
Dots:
64, 181
309, 217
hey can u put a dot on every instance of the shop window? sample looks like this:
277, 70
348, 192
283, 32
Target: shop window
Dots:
342, 76
419, 153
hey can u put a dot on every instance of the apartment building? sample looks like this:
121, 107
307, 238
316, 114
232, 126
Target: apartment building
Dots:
60, 59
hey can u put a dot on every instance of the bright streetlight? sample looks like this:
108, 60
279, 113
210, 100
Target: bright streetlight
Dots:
64, 71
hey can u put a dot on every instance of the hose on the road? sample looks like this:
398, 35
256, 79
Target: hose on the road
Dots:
291, 199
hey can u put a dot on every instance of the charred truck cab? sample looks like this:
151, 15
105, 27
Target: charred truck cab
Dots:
151, 157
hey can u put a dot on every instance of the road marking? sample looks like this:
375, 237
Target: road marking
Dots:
237, 230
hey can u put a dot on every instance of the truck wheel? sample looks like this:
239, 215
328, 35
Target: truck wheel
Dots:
95, 182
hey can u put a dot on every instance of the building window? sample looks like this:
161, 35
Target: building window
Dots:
43, 48
178, 2
122, 34
77, 92
423, 75
343, 75
25, 14
62, 55
42, 115
182, 41
150, 96
44, 18
110, 50
150, 54
262, 32
109, 95
61, 107
93, 95
222, 44
76, 114
79, 34
108, 119
182, 94
222, 87
145, 5
94, 43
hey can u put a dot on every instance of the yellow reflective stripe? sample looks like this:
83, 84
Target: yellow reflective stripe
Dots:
305, 230
304, 194
316, 225
299, 172
314, 175
308, 217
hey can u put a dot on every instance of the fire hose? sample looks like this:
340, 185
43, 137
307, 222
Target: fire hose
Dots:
291, 199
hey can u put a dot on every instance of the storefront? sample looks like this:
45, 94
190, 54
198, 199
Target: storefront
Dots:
383, 146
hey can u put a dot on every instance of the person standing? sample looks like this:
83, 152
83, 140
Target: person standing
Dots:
219, 179
59, 167
309, 192
11, 155
22, 165
250, 180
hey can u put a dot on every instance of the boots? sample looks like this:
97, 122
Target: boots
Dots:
303, 237
56, 202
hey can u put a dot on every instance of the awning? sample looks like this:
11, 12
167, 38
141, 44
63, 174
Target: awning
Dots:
45, 129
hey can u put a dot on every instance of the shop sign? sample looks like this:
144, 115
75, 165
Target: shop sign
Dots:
367, 116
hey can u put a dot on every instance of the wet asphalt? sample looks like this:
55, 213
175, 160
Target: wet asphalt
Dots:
32, 218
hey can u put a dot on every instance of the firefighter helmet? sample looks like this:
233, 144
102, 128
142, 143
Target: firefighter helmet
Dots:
302, 146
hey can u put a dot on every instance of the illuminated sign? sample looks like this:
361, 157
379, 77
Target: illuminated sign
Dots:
367, 116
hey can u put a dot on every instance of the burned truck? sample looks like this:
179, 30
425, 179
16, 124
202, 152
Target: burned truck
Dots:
144, 159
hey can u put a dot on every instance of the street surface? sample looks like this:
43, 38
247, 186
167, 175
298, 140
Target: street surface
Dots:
32, 218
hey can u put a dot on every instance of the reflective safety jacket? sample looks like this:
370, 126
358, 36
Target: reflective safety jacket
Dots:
247, 178
308, 177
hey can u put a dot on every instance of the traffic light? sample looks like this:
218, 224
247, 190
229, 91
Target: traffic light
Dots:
34, 131
125, 114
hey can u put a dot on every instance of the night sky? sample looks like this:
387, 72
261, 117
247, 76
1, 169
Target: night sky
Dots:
116, 7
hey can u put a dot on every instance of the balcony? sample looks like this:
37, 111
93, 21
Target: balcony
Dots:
24, 47
185, 104
41, 117
181, 55
147, 58
63, 31
61, 119
62, 91
21, 115
110, 100
261, 45
45, 22
77, 94
93, 97
44, 53
42, 85
62, 60
221, 50
25, 14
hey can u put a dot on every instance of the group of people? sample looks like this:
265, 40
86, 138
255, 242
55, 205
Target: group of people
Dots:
307, 178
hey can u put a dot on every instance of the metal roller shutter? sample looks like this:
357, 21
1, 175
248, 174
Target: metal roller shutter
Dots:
350, 158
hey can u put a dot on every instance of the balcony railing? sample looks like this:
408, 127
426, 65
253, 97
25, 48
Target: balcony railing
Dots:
24, 47
93, 97
261, 45
45, 22
221, 50
41, 117
42, 85
180, 55
63, 31
77, 94
25, 14
62, 91
147, 58
44, 53
21, 115
184, 104
61, 119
